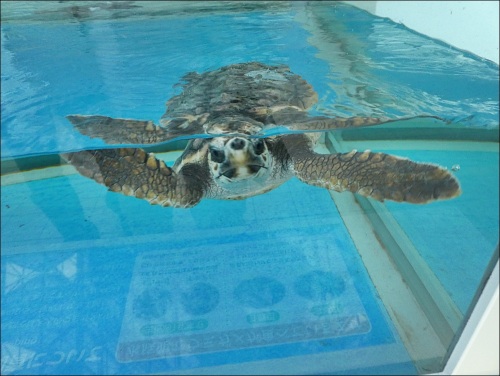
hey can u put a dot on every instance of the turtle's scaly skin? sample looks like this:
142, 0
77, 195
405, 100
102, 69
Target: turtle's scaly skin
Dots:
226, 108
218, 102
376, 175
119, 131
133, 172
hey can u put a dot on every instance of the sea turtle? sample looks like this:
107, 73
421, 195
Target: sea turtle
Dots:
226, 111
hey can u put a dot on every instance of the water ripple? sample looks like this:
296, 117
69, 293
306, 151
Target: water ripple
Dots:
127, 67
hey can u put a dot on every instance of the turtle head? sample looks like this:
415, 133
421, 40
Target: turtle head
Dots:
239, 158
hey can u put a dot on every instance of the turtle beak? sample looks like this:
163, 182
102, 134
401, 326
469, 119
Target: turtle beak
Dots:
239, 172
254, 168
229, 173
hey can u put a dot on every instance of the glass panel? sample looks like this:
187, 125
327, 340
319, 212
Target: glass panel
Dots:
298, 279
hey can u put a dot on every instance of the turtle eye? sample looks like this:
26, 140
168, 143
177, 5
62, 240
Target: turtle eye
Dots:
259, 147
217, 155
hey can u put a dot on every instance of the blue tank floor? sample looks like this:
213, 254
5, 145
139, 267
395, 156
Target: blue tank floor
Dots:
101, 283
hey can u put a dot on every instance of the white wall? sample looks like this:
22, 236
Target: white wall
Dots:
467, 25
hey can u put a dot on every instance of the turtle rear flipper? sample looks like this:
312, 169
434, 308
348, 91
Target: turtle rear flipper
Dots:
321, 123
133, 172
377, 175
119, 131
296, 120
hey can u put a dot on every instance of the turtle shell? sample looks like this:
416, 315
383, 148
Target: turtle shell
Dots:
252, 90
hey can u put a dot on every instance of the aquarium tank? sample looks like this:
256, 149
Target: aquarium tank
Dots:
305, 271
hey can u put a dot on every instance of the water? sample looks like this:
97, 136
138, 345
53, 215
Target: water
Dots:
296, 280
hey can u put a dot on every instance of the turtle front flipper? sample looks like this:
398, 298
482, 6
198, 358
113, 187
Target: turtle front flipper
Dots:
133, 172
377, 175
119, 131
296, 120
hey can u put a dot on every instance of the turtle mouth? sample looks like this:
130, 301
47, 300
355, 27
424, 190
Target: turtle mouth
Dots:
231, 173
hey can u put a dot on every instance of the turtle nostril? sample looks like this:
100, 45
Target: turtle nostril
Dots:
238, 144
